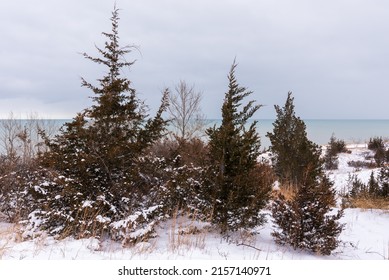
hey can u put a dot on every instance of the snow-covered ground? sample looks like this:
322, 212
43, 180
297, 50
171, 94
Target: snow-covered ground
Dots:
365, 236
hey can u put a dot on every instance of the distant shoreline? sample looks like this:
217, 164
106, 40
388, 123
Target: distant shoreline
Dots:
352, 131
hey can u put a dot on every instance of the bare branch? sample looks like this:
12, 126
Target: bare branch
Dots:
185, 111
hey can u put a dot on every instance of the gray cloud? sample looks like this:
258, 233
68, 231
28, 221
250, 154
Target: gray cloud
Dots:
332, 54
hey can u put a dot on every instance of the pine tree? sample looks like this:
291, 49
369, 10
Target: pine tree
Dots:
331, 156
292, 151
373, 186
383, 180
237, 186
304, 221
100, 152
116, 130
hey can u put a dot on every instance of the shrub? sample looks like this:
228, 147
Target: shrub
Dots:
383, 181
44, 200
358, 164
370, 195
334, 148
304, 221
21, 191
380, 156
376, 143
331, 156
337, 146
373, 186
188, 152
356, 187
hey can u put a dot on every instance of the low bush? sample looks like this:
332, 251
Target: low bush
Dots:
304, 221
373, 194
381, 154
21, 190
359, 164
189, 152
334, 147
337, 146
43, 199
367, 203
376, 143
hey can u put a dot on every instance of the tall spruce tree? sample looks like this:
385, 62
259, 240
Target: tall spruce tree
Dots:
292, 152
237, 186
120, 126
100, 150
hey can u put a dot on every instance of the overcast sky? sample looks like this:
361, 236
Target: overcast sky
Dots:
332, 54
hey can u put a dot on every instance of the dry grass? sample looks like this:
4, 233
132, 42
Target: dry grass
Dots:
4, 243
287, 190
9, 233
370, 203
185, 235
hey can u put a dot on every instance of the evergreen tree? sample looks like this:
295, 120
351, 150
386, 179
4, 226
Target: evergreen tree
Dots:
292, 152
116, 130
334, 147
304, 221
100, 152
383, 181
373, 186
357, 187
237, 186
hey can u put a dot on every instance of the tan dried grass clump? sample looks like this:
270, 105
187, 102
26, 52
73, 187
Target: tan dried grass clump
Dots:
184, 235
370, 203
9, 233
287, 190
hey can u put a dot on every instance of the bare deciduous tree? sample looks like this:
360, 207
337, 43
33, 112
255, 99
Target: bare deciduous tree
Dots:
185, 112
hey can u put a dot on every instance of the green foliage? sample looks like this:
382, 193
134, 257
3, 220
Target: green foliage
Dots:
373, 186
333, 149
304, 221
331, 161
235, 182
381, 154
104, 175
292, 153
377, 186
337, 146
358, 164
357, 187
101, 146
375, 143
101, 152
383, 182
19, 191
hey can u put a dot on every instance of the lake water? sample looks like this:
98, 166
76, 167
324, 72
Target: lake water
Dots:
319, 131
